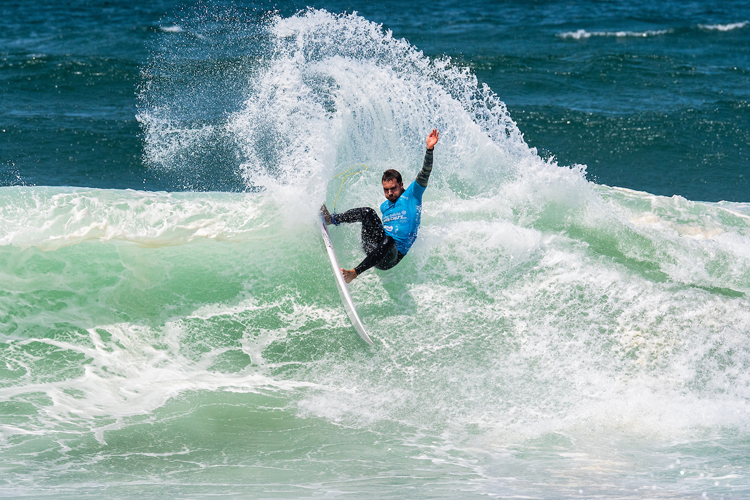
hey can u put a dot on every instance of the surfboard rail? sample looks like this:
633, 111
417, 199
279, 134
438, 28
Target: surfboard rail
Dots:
346, 298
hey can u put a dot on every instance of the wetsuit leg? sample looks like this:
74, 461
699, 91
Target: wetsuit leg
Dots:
372, 227
380, 248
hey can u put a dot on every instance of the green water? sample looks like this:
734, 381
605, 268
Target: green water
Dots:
564, 350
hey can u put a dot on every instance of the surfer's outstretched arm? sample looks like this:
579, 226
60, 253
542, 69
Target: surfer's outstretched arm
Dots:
424, 175
433, 138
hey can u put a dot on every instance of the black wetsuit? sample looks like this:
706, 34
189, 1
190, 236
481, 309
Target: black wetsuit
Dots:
380, 248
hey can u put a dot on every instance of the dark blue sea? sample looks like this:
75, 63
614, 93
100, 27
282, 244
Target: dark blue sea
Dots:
573, 321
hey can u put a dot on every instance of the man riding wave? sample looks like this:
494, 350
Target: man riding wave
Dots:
387, 242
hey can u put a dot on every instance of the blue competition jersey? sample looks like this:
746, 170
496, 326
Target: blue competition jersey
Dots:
401, 219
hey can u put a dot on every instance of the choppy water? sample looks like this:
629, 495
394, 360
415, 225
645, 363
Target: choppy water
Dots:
547, 336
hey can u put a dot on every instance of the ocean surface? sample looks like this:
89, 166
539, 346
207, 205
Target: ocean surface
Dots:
573, 321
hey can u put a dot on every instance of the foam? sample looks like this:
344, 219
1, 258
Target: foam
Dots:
582, 34
723, 27
554, 322
171, 29
53, 218
132, 370
336, 90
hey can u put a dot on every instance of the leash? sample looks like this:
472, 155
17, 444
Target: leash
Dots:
346, 175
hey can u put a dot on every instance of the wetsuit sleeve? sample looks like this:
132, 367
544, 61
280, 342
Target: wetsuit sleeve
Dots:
424, 175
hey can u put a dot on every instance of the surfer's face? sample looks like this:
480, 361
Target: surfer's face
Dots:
392, 189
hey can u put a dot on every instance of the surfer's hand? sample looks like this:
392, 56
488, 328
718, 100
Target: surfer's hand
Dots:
432, 139
325, 214
349, 274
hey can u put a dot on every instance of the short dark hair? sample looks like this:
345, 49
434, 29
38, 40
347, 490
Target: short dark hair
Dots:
391, 174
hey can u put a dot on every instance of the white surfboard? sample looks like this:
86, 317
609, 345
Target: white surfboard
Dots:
343, 289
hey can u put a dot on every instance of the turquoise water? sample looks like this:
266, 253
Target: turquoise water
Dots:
174, 331
173, 344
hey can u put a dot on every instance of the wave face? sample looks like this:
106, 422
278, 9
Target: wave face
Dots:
545, 337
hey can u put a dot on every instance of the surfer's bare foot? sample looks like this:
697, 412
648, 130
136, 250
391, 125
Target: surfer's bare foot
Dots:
325, 214
349, 274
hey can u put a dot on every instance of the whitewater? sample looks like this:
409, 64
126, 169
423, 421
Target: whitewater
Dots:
545, 337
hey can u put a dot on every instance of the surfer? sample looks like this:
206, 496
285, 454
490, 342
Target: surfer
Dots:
387, 242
